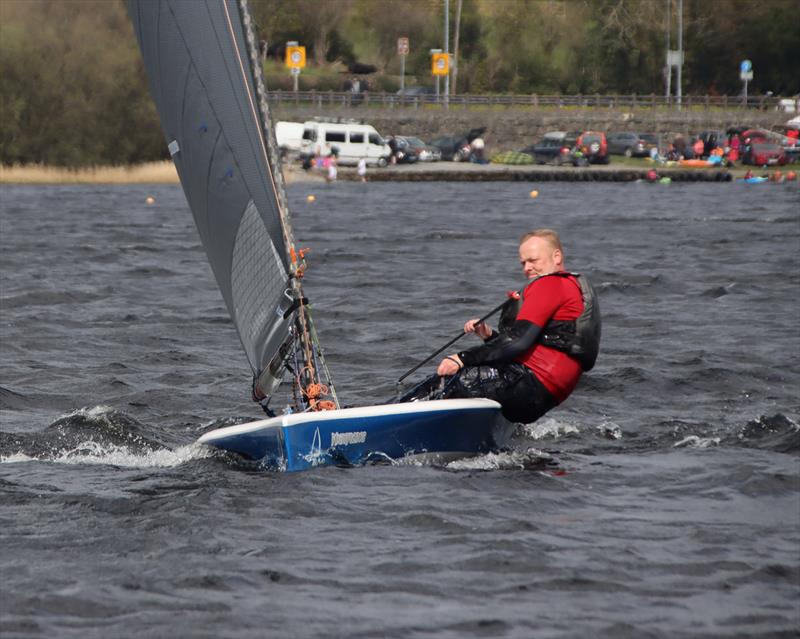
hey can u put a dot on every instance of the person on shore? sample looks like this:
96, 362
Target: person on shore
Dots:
544, 343
362, 169
331, 166
698, 148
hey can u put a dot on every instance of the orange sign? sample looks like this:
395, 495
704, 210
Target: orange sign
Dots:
440, 63
295, 57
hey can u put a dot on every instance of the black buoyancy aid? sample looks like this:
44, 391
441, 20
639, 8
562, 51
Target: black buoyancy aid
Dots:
578, 338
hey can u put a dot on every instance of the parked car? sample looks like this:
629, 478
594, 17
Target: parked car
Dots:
764, 153
651, 142
404, 153
456, 148
594, 147
628, 144
417, 91
551, 147
425, 152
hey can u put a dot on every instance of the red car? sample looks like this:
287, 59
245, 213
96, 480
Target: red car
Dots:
762, 153
594, 147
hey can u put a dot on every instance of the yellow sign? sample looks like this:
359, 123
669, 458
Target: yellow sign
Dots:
440, 63
295, 57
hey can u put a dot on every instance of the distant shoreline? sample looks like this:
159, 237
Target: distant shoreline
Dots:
165, 173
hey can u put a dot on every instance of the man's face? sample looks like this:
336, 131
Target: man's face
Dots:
538, 257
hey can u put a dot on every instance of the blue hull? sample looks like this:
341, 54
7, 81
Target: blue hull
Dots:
447, 429
755, 180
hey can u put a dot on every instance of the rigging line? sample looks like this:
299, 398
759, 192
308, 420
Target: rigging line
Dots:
256, 119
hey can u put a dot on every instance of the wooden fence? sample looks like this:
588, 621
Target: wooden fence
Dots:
632, 101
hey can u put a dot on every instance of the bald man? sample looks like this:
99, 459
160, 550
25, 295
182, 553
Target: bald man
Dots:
545, 341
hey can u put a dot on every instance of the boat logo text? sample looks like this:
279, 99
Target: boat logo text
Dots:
343, 439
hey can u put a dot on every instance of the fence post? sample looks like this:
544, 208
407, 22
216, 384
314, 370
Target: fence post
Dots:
708, 102
725, 101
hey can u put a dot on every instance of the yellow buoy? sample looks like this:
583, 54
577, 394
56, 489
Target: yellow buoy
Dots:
310, 198
150, 199
534, 194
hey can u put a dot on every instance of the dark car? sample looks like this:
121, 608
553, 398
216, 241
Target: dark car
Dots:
425, 152
455, 148
552, 147
628, 144
403, 152
417, 91
764, 153
594, 147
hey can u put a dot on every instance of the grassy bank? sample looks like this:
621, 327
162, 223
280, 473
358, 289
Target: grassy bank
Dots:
149, 173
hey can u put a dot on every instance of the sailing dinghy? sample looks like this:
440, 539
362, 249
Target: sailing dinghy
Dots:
202, 62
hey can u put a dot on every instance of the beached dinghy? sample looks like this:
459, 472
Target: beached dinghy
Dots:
202, 62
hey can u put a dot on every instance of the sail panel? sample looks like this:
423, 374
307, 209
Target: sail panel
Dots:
197, 62
259, 296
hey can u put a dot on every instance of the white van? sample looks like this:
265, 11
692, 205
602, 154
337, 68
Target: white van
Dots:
289, 136
351, 140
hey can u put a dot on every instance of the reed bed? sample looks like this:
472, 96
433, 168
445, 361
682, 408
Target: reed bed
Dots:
148, 173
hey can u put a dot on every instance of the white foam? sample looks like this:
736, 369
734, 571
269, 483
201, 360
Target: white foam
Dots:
499, 461
16, 458
610, 430
693, 441
95, 412
90, 452
548, 427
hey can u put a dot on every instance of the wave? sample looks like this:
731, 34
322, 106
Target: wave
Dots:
99, 435
11, 400
48, 298
529, 459
778, 433
92, 452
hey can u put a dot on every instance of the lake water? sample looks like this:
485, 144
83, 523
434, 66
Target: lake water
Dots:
661, 500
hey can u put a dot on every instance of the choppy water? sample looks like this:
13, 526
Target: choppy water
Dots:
662, 500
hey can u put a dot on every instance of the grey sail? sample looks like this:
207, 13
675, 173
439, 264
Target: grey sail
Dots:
197, 55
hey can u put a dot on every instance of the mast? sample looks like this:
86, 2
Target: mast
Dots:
314, 385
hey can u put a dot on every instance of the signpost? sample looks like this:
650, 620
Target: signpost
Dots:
745, 75
295, 60
440, 66
435, 56
402, 51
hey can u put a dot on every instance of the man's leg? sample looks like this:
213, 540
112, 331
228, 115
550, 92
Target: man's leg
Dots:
523, 397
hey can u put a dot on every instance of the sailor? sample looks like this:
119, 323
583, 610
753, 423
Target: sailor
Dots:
544, 342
